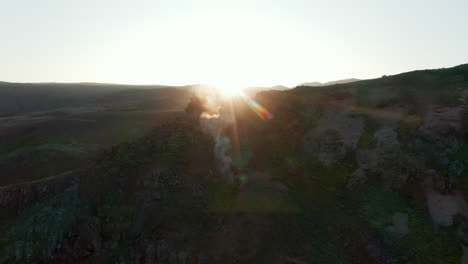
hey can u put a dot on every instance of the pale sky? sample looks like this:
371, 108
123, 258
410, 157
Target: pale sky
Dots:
240, 42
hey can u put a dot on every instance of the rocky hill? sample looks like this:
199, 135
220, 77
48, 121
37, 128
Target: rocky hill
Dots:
373, 171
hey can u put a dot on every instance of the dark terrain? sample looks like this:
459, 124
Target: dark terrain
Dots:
50, 129
371, 171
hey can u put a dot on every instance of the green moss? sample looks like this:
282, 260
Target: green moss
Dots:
335, 175
362, 97
120, 214
367, 139
313, 119
173, 149
388, 102
320, 202
406, 130
3, 246
222, 198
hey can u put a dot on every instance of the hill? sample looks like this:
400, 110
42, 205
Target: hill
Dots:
318, 84
254, 90
20, 98
50, 129
373, 171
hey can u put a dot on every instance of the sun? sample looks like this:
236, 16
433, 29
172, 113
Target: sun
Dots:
229, 90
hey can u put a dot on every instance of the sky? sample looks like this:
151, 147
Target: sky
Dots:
235, 43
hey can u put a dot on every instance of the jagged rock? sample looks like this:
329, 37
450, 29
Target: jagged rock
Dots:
367, 159
443, 207
357, 178
384, 160
387, 140
336, 132
442, 122
330, 149
437, 181
441, 136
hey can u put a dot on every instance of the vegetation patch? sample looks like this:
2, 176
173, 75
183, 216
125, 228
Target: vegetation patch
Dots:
313, 118
40, 229
407, 130
423, 243
367, 139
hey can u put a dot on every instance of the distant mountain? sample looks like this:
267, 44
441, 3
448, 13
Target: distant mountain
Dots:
253, 90
317, 84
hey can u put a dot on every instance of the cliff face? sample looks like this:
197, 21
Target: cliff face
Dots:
366, 172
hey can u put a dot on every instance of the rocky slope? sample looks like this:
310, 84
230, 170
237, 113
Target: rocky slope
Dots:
372, 171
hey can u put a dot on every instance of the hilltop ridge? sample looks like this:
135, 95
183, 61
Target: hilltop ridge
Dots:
372, 171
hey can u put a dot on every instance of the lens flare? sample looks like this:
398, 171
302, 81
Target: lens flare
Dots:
231, 91
261, 111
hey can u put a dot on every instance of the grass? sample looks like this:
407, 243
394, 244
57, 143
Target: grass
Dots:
321, 216
40, 229
423, 243
326, 215
313, 119
367, 139
406, 130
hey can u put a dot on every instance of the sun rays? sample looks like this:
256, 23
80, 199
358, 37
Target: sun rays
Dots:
230, 92
261, 111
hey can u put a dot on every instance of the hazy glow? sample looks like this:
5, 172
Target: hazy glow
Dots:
227, 90
209, 116
242, 42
